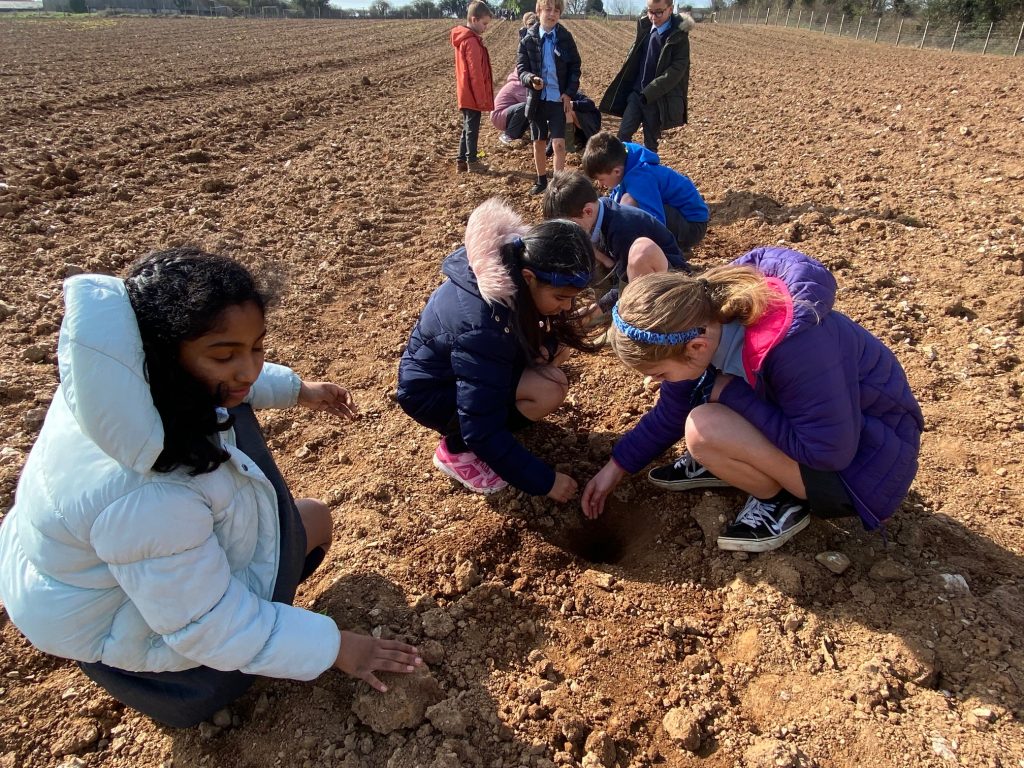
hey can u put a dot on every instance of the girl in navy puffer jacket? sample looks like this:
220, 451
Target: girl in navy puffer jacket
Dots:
777, 393
482, 361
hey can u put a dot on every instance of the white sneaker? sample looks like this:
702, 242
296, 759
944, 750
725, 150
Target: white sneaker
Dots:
506, 139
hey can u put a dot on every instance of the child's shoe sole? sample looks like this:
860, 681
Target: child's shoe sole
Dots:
762, 545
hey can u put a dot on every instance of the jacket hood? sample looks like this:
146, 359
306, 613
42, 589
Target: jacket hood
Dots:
638, 154
811, 290
513, 77
102, 372
684, 24
490, 226
461, 34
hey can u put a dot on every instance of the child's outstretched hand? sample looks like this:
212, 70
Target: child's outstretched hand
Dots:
362, 655
564, 488
324, 396
597, 490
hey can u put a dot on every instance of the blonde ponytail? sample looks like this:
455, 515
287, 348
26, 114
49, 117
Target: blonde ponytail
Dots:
663, 305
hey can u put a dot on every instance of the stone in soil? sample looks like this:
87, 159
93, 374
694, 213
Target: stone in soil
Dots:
437, 624
403, 705
683, 727
76, 737
600, 747
836, 562
448, 717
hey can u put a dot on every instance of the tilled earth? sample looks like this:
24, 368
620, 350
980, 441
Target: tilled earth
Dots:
326, 149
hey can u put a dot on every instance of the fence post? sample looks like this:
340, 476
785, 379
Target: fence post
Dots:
859, 22
955, 33
787, 16
841, 20
1019, 36
767, 14
923, 36
987, 37
799, 17
810, 21
899, 33
877, 27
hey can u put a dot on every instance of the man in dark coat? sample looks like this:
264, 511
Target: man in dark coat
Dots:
650, 89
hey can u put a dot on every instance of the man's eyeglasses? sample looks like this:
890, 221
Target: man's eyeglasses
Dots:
657, 13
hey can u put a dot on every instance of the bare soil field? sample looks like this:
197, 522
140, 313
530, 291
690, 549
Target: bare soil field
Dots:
328, 147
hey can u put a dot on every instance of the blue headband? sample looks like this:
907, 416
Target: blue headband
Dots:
561, 280
558, 279
650, 337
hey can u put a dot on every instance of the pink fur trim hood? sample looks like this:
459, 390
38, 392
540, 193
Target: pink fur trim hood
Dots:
490, 226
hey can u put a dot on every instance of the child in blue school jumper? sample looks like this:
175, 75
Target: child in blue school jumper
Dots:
635, 176
628, 241
482, 361
548, 64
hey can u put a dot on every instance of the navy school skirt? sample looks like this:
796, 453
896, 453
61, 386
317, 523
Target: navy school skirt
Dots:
187, 698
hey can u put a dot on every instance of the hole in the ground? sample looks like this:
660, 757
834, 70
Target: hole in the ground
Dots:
597, 546
621, 532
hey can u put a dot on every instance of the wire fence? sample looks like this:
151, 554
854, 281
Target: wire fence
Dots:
1002, 38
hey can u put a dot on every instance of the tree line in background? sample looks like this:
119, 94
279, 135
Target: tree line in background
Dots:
967, 11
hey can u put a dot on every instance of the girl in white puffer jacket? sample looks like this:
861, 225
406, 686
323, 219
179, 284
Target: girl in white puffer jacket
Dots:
152, 538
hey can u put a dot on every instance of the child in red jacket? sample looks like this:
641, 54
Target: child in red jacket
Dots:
474, 84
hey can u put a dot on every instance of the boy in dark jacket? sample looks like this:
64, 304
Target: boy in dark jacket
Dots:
548, 64
651, 88
628, 241
636, 177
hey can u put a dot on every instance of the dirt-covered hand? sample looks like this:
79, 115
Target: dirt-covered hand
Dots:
597, 490
564, 488
325, 396
362, 655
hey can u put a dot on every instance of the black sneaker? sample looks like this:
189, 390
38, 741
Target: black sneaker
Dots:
685, 474
762, 526
539, 187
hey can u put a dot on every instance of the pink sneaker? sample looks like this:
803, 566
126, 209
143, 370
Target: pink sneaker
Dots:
467, 469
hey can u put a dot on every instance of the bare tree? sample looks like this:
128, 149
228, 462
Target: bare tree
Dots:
620, 7
576, 7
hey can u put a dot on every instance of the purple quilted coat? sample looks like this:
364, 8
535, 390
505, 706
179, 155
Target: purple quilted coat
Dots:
828, 394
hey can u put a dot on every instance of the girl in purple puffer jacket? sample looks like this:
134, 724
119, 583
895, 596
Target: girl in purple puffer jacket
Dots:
776, 393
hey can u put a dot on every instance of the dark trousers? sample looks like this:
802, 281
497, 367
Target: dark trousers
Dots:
186, 698
686, 233
639, 114
470, 135
517, 122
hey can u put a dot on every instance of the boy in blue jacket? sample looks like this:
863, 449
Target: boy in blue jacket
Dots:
628, 241
636, 177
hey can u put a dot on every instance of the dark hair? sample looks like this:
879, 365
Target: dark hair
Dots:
567, 194
604, 153
555, 246
179, 295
